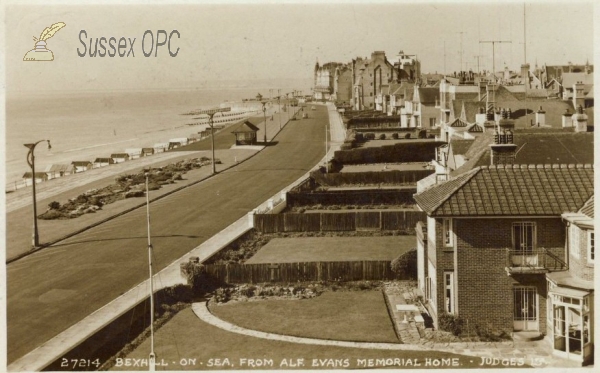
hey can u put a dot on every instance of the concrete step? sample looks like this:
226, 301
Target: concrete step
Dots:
527, 336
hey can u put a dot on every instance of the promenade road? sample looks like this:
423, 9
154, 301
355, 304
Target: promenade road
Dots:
53, 289
19, 214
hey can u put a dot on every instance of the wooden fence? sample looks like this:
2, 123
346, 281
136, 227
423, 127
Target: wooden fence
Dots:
353, 197
341, 221
305, 271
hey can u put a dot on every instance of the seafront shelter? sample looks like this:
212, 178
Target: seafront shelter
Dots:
101, 162
245, 134
120, 157
81, 166
39, 177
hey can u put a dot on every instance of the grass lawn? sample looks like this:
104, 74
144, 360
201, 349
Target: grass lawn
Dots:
332, 249
186, 343
359, 316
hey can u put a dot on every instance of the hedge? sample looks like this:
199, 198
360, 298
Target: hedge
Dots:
418, 151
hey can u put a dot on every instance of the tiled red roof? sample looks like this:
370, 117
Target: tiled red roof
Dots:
519, 190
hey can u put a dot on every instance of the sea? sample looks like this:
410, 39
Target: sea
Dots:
82, 126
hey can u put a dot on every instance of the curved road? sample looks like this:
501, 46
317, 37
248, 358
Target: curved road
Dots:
51, 290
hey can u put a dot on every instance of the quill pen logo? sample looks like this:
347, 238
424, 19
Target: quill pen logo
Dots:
40, 52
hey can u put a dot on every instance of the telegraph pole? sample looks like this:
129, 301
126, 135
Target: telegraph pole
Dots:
461, 49
493, 42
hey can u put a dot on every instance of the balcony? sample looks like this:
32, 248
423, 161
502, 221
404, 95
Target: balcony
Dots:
535, 261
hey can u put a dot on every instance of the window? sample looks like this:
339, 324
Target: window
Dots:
524, 237
574, 241
590, 246
431, 122
449, 292
447, 232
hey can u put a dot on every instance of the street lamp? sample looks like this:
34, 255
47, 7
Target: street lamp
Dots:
264, 109
211, 113
152, 356
35, 241
287, 102
279, 109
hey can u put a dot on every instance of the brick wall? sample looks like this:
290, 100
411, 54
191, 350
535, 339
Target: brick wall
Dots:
484, 291
579, 266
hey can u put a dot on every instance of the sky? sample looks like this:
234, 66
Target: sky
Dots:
236, 42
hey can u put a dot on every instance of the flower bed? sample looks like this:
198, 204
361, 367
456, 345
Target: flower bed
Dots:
125, 186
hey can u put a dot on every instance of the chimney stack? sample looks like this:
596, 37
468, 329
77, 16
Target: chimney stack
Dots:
540, 117
503, 150
566, 119
580, 120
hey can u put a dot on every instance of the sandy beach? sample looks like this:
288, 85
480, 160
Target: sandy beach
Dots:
91, 125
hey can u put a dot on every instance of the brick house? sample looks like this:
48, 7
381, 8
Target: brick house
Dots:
494, 238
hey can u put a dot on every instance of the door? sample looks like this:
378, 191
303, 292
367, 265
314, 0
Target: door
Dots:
525, 309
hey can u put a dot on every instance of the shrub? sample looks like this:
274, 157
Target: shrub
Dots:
407, 136
54, 205
382, 136
450, 323
395, 135
345, 146
197, 277
360, 137
52, 215
405, 266
370, 136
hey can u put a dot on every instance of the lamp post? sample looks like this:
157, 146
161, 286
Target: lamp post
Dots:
152, 356
287, 102
326, 149
279, 108
35, 239
211, 113
264, 109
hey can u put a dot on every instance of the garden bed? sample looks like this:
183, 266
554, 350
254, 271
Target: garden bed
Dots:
125, 186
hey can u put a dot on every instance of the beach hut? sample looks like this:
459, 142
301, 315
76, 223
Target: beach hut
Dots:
134, 153
181, 140
174, 145
193, 137
147, 151
160, 147
81, 166
39, 177
245, 134
101, 162
58, 170
120, 157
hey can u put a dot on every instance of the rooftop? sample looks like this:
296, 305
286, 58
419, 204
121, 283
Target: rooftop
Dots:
512, 190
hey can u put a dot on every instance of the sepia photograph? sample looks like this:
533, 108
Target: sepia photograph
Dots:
243, 185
